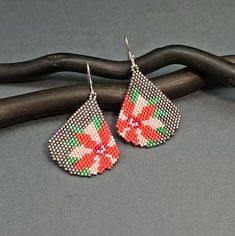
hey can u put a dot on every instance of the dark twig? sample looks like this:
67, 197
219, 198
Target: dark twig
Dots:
201, 62
66, 99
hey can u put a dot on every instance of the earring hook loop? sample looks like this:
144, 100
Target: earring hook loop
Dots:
92, 92
129, 53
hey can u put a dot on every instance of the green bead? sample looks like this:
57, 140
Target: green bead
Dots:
151, 143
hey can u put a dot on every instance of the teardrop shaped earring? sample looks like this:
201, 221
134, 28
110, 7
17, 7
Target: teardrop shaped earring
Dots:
84, 145
147, 117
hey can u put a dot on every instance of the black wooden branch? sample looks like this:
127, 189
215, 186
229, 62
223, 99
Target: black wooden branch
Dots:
66, 99
201, 62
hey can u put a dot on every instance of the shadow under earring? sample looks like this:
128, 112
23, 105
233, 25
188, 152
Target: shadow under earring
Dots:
147, 117
84, 145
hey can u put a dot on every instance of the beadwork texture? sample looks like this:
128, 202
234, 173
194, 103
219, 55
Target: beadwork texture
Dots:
84, 145
147, 117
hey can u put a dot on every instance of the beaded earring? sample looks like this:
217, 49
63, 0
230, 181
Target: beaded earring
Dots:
84, 145
147, 117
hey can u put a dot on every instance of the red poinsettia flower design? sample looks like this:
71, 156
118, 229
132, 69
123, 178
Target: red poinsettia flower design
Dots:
136, 124
99, 149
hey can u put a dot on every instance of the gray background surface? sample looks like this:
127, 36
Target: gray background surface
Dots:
185, 187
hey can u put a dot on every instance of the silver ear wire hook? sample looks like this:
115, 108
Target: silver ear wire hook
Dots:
92, 92
130, 55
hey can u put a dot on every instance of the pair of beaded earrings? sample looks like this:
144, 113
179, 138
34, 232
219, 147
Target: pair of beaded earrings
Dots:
84, 145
